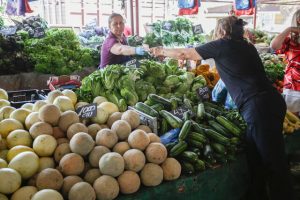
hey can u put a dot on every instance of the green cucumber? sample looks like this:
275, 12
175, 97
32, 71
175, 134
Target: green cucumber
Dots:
217, 137
219, 148
198, 137
200, 111
209, 116
219, 128
158, 107
235, 130
189, 156
213, 111
195, 150
174, 121
146, 109
170, 145
178, 148
187, 115
199, 165
198, 128
212, 105
174, 104
185, 130
187, 167
235, 140
194, 143
164, 126
158, 99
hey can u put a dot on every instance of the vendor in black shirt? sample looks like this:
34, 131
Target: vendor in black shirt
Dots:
262, 107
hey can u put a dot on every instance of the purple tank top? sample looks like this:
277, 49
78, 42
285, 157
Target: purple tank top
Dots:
107, 58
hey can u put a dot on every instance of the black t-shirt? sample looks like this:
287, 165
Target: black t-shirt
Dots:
239, 66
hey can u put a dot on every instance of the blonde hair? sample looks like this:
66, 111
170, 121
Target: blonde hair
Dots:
295, 17
229, 28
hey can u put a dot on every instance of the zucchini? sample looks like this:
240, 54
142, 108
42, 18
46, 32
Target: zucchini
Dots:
187, 167
198, 137
188, 103
199, 165
235, 130
178, 148
174, 121
195, 143
219, 128
212, 105
198, 128
235, 141
195, 150
189, 156
149, 102
209, 116
164, 126
158, 107
213, 111
158, 99
185, 130
170, 145
217, 137
219, 148
146, 109
200, 111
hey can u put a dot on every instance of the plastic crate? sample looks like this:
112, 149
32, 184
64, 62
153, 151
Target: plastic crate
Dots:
20, 97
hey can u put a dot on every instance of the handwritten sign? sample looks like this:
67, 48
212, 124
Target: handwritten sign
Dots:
87, 111
204, 93
133, 63
178, 112
8, 30
197, 29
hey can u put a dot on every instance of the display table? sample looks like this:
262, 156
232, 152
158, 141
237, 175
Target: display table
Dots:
229, 181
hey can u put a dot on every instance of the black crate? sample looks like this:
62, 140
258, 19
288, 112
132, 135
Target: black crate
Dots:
20, 97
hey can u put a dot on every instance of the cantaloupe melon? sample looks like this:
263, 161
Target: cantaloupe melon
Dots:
134, 160
145, 128
111, 164
3, 103
44, 145
80, 104
68, 182
112, 118
28, 106
71, 164
91, 175
101, 116
82, 190
62, 140
96, 154
46, 162
26, 163
5, 112
76, 128
40, 128
151, 174
129, 182
3, 163
50, 114
20, 115
109, 107
52, 96
47, 194
122, 129
93, 130
58, 133
64, 103
156, 153
38, 104
67, 119
3, 94
49, 179
82, 143
171, 168
61, 150
106, 137
99, 99
10, 180
106, 187
153, 138
121, 148
24, 193
138, 139
16, 150
132, 118
72, 95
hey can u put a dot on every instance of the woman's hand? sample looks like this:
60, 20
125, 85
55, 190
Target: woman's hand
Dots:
295, 29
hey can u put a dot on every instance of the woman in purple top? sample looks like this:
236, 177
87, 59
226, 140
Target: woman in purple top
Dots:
115, 49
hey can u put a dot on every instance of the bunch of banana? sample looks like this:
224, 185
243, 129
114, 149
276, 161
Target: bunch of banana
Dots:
291, 123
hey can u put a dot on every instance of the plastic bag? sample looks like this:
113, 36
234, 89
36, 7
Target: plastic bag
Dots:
242, 4
229, 103
11, 7
186, 3
219, 92
170, 136
190, 11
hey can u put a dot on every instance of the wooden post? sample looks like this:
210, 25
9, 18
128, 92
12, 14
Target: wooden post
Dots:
254, 17
132, 17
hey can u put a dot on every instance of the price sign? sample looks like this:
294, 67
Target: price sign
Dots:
204, 93
87, 111
178, 112
197, 29
8, 30
134, 63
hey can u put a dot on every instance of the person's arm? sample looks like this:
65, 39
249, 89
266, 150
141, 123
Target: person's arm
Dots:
179, 53
277, 42
119, 49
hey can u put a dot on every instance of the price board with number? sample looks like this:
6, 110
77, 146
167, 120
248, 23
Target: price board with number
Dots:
197, 29
204, 93
178, 112
87, 111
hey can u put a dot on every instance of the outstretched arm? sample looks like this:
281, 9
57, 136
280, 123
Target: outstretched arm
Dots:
179, 53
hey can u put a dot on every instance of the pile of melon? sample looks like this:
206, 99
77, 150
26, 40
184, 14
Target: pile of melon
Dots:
48, 152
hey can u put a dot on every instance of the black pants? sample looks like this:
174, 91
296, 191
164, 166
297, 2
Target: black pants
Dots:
267, 162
